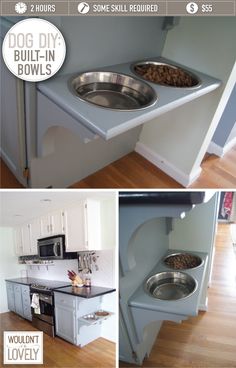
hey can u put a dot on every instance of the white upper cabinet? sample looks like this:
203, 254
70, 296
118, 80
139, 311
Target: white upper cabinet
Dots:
83, 226
52, 224
92, 224
35, 235
74, 228
88, 225
26, 239
18, 241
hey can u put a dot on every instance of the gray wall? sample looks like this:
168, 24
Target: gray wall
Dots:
99, 41
227, 122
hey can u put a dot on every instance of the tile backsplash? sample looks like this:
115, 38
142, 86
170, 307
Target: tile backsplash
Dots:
103, 276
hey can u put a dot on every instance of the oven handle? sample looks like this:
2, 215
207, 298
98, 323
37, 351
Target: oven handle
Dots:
44, 298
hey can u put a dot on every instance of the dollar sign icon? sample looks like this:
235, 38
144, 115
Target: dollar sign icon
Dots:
192, 8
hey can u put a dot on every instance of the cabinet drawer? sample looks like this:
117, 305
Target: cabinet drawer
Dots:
68, 301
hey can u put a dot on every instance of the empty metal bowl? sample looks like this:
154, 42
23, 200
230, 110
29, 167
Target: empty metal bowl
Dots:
165, 74
171, 285
113, 90
182, 261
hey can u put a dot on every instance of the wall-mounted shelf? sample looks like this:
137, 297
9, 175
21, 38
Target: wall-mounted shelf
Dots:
92, 318
146, 309
89, 120
39, 265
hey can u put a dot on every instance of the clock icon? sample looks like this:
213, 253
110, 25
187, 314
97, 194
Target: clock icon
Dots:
20, 8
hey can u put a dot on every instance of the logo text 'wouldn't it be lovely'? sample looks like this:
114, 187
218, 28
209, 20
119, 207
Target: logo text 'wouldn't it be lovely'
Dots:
23, 347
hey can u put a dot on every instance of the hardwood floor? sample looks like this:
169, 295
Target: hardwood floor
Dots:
134, 171
7, 179
59, 353
208, 340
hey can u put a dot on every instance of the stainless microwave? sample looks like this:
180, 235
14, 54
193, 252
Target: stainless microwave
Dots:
53, 247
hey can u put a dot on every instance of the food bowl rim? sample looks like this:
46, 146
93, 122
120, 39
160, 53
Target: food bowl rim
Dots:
154, 100
170, 300
179, 253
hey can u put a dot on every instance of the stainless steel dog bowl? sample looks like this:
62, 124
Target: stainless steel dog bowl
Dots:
182, 261
165, 74
113, 90
170, 285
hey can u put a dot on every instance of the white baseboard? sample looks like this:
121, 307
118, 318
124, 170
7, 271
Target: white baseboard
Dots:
215, 149
204, 307
221, 151
167, 166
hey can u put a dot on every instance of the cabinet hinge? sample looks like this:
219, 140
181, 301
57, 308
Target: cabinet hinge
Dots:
26, 172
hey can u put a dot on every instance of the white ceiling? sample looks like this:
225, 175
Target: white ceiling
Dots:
20, 206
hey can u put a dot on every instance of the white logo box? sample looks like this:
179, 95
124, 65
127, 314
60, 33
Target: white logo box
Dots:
23, 347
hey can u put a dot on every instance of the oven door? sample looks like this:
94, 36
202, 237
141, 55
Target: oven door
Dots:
46, 308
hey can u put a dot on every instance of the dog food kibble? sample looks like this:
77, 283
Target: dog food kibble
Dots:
182, 261
166, 75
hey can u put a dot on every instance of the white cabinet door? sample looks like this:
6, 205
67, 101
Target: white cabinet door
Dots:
35, 235
92, 211
57, 225
45, 226
83, 226
26, 239
52, 224
18, 241
74, 228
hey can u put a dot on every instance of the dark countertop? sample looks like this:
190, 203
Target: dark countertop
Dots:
164, 198
85, 292
53, 284
24, 280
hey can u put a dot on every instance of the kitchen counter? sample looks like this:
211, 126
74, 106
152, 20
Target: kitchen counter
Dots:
24, 280
30, 280
85, 292
109, 123
187, 306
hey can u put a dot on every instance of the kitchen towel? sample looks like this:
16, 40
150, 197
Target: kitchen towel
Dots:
35, 303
